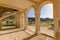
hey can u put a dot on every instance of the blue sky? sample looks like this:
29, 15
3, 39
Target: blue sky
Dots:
46, 11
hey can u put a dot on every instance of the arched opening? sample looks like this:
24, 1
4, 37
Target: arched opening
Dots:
31, 20
8, 22
46, 20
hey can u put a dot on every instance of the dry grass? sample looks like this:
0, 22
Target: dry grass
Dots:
42, 23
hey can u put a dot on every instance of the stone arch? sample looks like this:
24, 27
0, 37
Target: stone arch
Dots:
26, 16
43, 4
28, 9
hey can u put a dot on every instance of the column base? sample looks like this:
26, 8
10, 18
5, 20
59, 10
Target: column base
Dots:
37, 33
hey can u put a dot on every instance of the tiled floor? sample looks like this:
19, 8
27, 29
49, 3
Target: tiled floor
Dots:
41, 37
17, 34
14, 36
43, 30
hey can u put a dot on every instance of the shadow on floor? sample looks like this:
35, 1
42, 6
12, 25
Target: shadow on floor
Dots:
11, 32
29, 37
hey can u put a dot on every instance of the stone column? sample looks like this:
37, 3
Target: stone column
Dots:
25, 20
17, 20
22, 20
0, 24
56, 21
37, 20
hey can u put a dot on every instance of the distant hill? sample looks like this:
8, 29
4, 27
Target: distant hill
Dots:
41, 19
46, 19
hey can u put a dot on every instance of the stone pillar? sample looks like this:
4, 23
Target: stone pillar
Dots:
56, 21
37, 20
17, 20
25, 20
22, 20
0, 24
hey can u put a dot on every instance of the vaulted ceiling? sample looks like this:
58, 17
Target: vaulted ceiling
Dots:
19, 4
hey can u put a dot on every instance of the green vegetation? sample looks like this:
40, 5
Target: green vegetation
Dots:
9, 22
31, 23
42, 23
5, 25
46, 23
